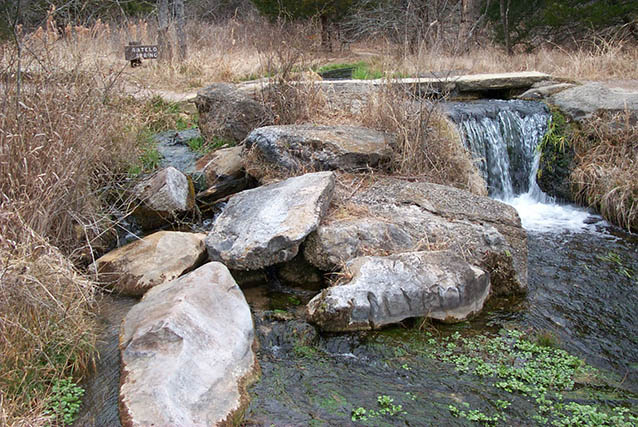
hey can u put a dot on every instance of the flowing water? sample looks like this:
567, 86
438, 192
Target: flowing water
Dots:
583, 272
583, 275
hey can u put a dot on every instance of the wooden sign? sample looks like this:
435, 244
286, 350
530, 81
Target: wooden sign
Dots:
133, 52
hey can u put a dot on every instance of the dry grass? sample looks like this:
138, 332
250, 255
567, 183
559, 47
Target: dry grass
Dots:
46, 326
606, 172
62, 146
427, 146
252, 48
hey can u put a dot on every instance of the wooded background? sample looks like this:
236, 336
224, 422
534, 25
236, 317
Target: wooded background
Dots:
512, 23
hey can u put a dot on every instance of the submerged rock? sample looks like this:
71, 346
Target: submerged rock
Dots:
187, 352
394, 216
162, 197
295, 148
227, 113
266, 225
384, 290
161, 257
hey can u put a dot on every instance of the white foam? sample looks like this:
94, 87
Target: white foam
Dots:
549, 217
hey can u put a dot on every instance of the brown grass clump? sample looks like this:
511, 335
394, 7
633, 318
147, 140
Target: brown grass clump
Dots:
61, 148
606, 172
46, 326
428, 145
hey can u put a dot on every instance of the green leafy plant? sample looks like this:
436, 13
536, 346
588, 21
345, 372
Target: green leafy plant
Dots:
65, 400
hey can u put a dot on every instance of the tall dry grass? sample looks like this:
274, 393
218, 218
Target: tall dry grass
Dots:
428, 145
61, 147
606, 171
237, 50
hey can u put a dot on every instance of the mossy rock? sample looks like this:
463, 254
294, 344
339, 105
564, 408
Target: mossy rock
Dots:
557, 158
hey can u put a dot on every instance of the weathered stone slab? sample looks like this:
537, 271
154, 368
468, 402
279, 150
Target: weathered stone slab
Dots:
187, 353
395, 216
227, 113
295, 148
161, 257
266, 225
446, 84
385, 290
581, 102
164, 195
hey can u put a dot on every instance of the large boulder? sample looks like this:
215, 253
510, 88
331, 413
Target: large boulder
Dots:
187, 352
223, 173
384, 290
161, 257
394, 216
266, 225
295, 148
162, 197
229, 114
581, 102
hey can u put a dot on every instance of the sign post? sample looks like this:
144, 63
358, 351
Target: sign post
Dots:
135, 52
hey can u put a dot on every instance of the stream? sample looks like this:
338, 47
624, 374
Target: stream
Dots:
583, 275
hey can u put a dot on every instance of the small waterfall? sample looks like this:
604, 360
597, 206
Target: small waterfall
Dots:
503, 137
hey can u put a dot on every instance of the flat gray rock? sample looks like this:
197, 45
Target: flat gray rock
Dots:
296, 148
581, 102
266, 225
385, 290
393, 216
187, 352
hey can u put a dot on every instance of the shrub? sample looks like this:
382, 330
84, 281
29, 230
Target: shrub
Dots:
61, 148
606, 172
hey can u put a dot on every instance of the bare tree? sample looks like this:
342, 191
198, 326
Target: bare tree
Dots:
179, 28
505, 11
163, 42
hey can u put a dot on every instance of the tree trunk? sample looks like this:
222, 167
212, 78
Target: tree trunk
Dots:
162, 32
505, 11
181, 35
326, 43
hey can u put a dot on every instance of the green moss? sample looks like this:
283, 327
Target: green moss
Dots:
557, 155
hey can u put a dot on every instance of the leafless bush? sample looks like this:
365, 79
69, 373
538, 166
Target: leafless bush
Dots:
606, 172
61, 148
428, 144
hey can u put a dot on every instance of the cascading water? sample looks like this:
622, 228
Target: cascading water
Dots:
503, 137
582, 270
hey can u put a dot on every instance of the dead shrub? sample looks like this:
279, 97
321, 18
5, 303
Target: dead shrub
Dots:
62, 147
606, 171
428, 145
46, 324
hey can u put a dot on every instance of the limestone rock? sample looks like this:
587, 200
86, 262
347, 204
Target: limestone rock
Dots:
395, 216
161, 257
163, 196
539, 92
187, 352
300, 147
266, 225
581, 102
385, 290
227, 113
223, 174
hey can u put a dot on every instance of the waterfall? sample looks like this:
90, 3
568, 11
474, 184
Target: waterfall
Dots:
502, 137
